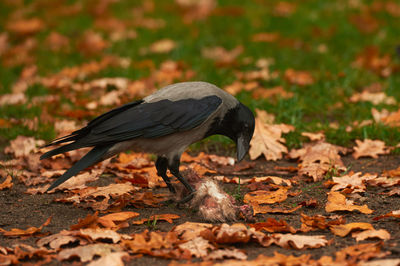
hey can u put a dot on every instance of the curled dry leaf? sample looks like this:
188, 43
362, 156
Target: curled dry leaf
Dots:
374, 97
395, 214
7, 183
344, 229
226, 253
352, 182
158, 217
369, 148
111, 219
318, 222
267, 139
190, 230
302, 78
87, 253
338, 202
197, 247
300, 241
367, 234
273, 226
22, 146
28, 232
98, 233
266, 197
57, 240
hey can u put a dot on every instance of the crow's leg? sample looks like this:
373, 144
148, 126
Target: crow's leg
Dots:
161, 166
174, 168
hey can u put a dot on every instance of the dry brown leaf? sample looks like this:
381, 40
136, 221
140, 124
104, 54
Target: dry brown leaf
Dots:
394, 191
87, 253
92, 43
367, 234
344, 229
7, 183
372, 59
262, 93
146, 242
352, 182
57, 240
314, 136
12, 99
302, 78
190, 230
273, 226
300, 241
111, 259
266, 197
197, 247
267, 139
98, 233
110, 220
22, 146
383, 262
196, 10
28, 232
384, 181
235, 233
267, 209
395, 214
317, 222
374, 97
225, 253
363, 252
25, 26
284, 9
369, 148
162, 46
265, 37
221, 56
90, 221
338, 202
158, 217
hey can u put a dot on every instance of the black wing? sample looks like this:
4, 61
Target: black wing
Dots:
148, 120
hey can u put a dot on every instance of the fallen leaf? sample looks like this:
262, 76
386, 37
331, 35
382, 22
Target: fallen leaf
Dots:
22, 146
111, 259
318, 222
226, 253
267, 139
384, 262
272, 226
314, 136
162, 46
284, 9
369, 148
361, 252
55, 241
221, 55
197, 247
267, 209
89, 221
352, 182
372, 233
374, 97
110, 220
302, 78
196, 10
12, 99
395, 214
28, 232
299, 241
88, 252
25, 26
7, 183
158, 217
276, 92
265, 37
266, 197
190, 230
338, 202
98, 233
344, 229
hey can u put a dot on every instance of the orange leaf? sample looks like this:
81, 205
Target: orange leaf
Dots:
110, 219
338, 202
28, 232
344, 229
7, 183
369, 148
266, 197
381, 234
165, 217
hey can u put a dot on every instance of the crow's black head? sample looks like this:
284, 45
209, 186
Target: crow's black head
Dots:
237, 124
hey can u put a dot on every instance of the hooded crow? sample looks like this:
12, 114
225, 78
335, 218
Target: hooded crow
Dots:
164, 123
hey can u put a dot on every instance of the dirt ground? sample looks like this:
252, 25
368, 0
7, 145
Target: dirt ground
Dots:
20, 210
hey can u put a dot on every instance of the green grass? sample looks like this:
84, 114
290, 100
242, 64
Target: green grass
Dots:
310, 109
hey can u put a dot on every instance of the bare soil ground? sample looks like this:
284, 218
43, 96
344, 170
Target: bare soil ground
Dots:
20, 210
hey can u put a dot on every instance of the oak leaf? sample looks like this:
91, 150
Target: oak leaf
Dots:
338, 202
369, 148
88, 252
197, 247
300, 241
344, 229
372, 233
266, 197
267, 139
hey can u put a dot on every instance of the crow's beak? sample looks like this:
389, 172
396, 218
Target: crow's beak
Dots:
242, 146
